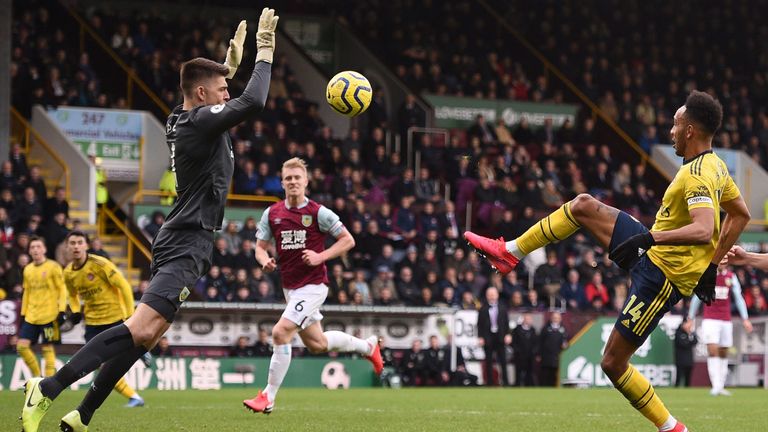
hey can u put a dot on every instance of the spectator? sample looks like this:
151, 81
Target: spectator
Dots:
685, 342
435, 371
242, 349
596, 289
553, 340
97, 248
493, 335
573, 292
262, 347
158, 219
415, 365
525, 347
57, 204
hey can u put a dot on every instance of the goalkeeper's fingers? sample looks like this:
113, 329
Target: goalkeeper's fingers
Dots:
239, 38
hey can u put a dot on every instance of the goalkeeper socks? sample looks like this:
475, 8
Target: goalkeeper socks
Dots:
26, 354
124, 389
557, 226
105, 346
106, 380
713, 370
640, 393
340, 341
278, 367
49, 356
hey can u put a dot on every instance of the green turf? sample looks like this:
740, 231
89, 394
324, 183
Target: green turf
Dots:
435, 409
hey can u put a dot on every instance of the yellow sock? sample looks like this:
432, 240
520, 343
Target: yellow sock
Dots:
124, 389
49, 355
26, 354
640, 393
557, 226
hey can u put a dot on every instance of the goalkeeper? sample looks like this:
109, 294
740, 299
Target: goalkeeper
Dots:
197, 134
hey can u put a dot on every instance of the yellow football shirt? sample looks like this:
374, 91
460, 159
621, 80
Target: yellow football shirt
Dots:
703, 181
44, 293
106, 295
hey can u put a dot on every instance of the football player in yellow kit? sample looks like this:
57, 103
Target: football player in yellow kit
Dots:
107, 300
43, 306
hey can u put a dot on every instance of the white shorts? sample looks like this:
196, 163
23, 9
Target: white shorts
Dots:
717, 332
304, 304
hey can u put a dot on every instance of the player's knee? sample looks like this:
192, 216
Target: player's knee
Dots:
612, 367
280, 336
580, 204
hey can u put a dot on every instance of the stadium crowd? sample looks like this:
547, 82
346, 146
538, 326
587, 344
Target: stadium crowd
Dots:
409, 250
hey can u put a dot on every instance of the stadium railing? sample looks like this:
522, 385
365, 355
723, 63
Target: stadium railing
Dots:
31, 141
550, 68
133, 244
132, 79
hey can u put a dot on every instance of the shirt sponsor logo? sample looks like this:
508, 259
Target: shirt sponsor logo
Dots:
293, 239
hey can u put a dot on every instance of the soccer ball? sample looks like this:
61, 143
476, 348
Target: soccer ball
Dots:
349, 93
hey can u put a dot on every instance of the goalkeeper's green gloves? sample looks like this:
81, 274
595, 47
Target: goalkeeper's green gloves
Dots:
265, 36
235, 51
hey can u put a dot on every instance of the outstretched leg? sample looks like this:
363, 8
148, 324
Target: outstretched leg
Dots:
584, 211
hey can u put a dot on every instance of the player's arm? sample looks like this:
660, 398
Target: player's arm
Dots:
694, 309
263, 239
24, 293
344, 242
115, 278
738, 256
330, 223
741, 305
74, 298
215, 119
733, 225
698, 232
61, 288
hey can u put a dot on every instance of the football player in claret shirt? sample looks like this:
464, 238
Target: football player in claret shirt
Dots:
43, 306
717, 328
676, 258
299, 227
107, 301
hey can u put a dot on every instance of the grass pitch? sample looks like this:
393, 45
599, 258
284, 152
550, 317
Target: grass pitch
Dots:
434, 409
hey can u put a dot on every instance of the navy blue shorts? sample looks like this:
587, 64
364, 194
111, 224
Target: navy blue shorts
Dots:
50, 332
651, 294
92, 330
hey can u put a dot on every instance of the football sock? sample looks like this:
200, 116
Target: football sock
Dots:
340, 341
49, 355
124, 389
669, 424
105, 346
723, 372
26, 354
278, 367
713, 370
640, 393
557, 226
108, 377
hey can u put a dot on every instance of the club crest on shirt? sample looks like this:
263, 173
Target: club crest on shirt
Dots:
90, 276
184, 294
306, 220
